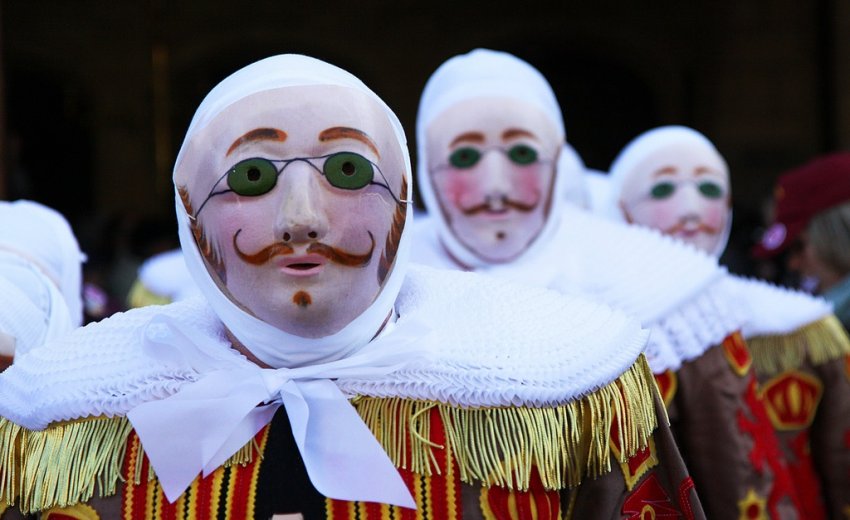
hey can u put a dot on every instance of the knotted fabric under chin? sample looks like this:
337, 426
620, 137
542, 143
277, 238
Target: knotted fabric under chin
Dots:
208, 420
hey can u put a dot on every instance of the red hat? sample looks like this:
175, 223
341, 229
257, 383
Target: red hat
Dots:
802, 193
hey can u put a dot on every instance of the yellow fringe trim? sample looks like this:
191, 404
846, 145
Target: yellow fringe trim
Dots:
499, 446
61, 465
818, 343
69, 462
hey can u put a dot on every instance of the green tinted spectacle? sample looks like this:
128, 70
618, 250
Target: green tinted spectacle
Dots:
464, 157
710, 190
662, 190
467, 157
252, 177
347, 170
522, 154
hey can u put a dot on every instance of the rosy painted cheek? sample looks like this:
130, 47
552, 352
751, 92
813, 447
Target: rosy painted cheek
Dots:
460, 189
658, 215
714, 214
528, 184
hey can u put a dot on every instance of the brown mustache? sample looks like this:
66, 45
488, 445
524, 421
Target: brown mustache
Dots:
333, 254
680, 226
507, 202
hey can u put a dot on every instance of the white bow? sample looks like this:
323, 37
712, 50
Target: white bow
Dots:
208, 420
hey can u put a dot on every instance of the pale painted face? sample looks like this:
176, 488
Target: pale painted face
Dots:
295, 191
681, 191
492, 163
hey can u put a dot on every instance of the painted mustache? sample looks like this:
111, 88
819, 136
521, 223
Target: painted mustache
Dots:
333, 254
499, 204
701, 227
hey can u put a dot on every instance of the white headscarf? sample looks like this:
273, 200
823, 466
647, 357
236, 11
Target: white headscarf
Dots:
483, 73
649, 143
271, 345
42, 235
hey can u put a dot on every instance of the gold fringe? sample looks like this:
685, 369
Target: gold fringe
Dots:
499, 446
61, 465
70, 462
817, 343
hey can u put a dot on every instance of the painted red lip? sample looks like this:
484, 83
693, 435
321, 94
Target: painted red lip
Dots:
302, 265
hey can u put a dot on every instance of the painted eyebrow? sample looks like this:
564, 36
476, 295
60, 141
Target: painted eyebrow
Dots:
258, 134
511, 133
473, 137
667, 170
702, 170
344, 132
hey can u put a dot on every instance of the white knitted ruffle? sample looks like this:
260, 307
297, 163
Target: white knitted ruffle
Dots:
694, 327
773, 310
678, 292
493, 343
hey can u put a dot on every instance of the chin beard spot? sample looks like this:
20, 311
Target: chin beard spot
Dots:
302, 299
500, 235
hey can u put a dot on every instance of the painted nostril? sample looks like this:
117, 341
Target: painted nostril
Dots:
286, 237
312, 234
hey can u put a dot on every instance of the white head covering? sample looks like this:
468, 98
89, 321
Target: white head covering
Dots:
649, 143
572, 170
42, 235
271, 345
483, 73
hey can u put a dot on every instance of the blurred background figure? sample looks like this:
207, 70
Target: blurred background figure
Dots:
811, 226
163, 278
40, 277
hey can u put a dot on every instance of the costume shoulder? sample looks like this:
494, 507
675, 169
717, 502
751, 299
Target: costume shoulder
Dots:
512, 365
677, 291
99, 369
785, 328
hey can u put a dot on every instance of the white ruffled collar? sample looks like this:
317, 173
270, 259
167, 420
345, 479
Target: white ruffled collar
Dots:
514, 345
773, 310
678, 292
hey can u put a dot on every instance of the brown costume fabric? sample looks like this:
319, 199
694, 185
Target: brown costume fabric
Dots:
725, 436
664, 490
810, 409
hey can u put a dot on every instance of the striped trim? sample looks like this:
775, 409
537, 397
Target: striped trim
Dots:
437, 496
228, 493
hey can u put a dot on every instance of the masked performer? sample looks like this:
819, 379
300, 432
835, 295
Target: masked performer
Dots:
490, 140
40, 278
673, 179
318, 375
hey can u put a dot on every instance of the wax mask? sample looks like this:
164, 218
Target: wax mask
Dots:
492, 163
681, 190
296, 196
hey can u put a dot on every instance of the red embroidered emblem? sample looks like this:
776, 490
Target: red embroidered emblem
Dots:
766, 449
537, 503
685, 497
791, 400
649, 500
638, 464
752, 506
806, 481
667, 383
737, 354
